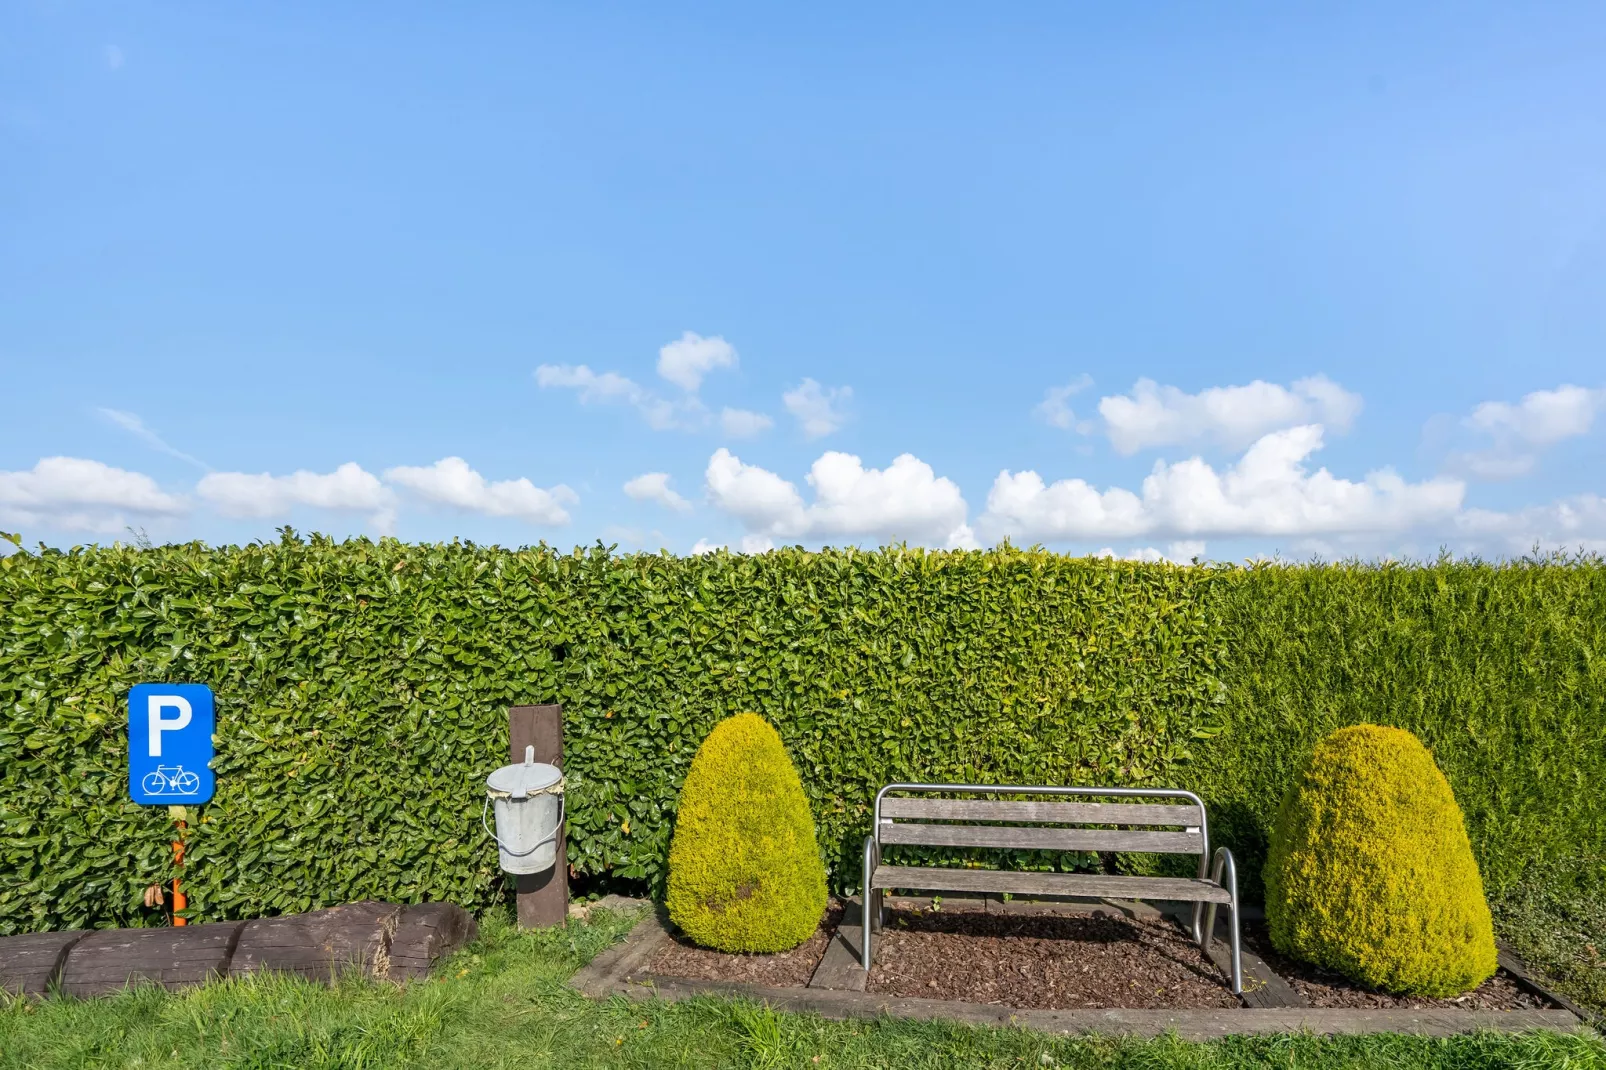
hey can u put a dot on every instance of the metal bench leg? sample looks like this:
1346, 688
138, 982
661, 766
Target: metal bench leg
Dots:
1223, 864
870, 903
1237, 953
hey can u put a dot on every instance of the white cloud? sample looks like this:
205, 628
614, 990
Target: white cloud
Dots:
759, 498
349, 488
1573, 523
114, 57
906, 500
1055, 409
450, 481
75, 494
609, 386
1268, 491
1181, 552
1228, 416
819, 410
135, 426
612, 388
740, 423
749, 544
685, 361
654, 487
1519, 432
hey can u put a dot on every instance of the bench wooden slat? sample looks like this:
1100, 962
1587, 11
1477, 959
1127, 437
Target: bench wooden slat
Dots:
1064, 813
1094, 885
1040, 838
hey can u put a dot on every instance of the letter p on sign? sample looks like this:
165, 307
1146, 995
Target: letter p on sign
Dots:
159, 724
170, 730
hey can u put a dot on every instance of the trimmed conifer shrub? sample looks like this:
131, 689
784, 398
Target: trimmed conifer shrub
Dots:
744, 867
1371, 873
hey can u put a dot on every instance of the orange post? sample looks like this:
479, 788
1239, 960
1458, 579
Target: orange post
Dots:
179, 901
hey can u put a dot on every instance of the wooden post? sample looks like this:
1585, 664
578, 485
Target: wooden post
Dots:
543, 898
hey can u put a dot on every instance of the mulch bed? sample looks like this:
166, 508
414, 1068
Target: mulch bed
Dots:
1324, 988
787, 969
1056, 962
1048, 962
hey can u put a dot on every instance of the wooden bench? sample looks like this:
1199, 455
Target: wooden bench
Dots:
1175, 826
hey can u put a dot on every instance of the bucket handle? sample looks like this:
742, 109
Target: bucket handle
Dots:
542, 842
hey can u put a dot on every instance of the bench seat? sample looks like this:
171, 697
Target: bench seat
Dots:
1094, 885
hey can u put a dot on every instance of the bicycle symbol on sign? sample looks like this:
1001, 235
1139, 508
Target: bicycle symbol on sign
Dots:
170, 780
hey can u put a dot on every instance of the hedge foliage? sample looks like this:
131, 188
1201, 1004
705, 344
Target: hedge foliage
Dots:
744, 865
1371, 873
362, 691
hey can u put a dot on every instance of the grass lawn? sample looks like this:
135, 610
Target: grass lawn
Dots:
504, 1003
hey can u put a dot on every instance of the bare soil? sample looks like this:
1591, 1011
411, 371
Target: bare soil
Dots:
785, 969
1325, 988
1045, 961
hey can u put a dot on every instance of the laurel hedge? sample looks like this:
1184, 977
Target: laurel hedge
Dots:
362, 690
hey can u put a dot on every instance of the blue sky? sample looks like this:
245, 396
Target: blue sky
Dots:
1231, 280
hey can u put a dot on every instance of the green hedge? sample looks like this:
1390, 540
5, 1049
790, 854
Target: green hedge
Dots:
362, 693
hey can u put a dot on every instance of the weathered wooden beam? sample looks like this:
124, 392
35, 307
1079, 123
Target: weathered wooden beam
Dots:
31, 963
112, 959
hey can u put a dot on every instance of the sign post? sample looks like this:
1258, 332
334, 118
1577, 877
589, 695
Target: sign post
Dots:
170, 754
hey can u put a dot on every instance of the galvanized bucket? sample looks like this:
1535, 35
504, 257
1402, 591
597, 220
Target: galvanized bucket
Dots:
529, 813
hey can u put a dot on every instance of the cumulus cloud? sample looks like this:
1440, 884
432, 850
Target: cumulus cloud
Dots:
906, 500
605, 388
1182, 552
749, 544
451, 482
685, 361
818, 410
131, 423
740, 423
592, 387
1055, 409
1231, 417
349, 488
759, 498
654, 487
75, 494
1518, 433
1573, 523
1269, 491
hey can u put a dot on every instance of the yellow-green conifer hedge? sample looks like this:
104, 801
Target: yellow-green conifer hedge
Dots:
1371, 872
744, 867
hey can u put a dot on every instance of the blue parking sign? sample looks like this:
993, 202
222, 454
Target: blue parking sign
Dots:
170, 744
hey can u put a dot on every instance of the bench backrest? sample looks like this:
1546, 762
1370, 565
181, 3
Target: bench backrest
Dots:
1176, 826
